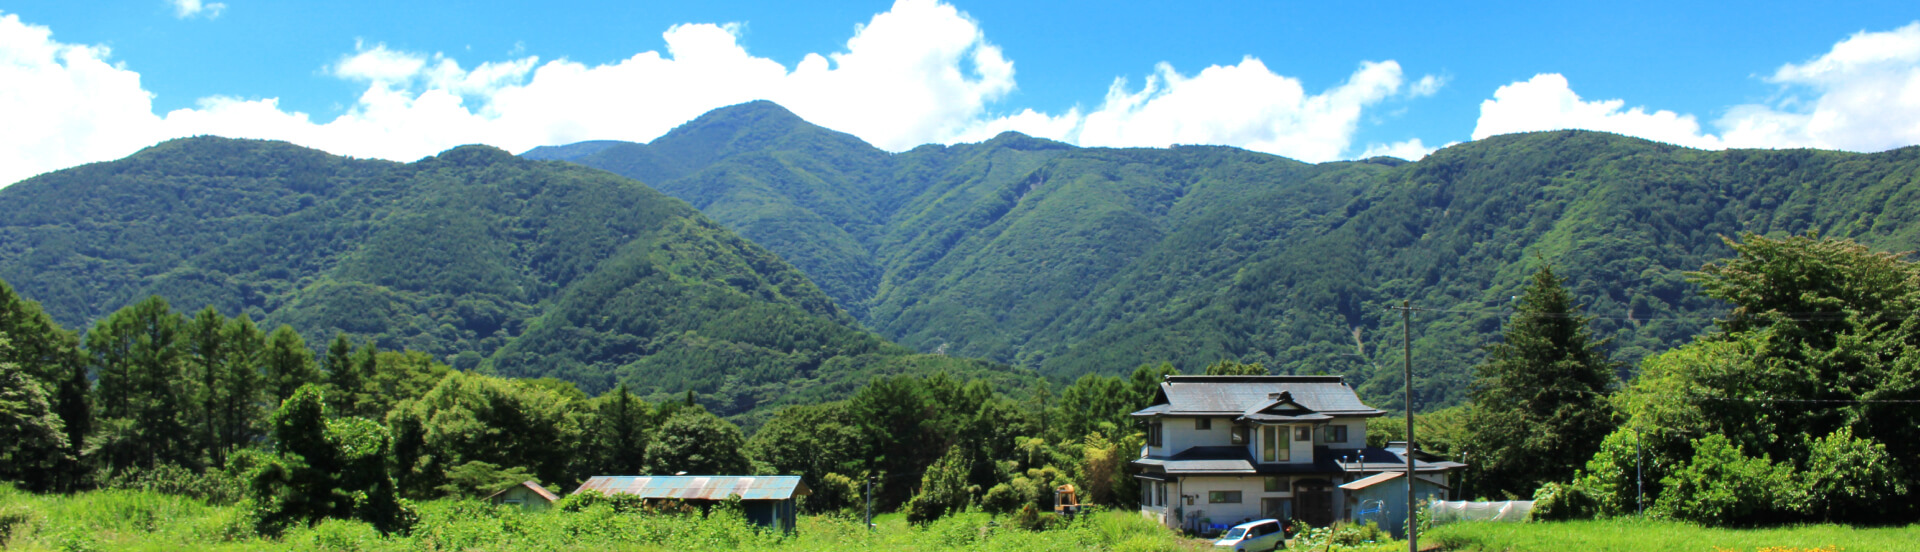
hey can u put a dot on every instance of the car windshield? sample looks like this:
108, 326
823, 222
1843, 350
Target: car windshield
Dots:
1237, 532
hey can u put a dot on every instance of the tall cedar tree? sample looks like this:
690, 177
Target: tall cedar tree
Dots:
1539, 400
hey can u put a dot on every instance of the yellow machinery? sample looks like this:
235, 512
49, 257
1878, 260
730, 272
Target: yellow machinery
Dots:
1065, 503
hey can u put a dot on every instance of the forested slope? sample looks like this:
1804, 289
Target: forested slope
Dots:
480, 258
1081, 260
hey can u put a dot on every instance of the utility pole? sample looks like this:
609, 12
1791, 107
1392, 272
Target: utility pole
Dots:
1639, 484
1406, 372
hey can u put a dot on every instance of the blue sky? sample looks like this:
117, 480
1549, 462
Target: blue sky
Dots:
1318, 81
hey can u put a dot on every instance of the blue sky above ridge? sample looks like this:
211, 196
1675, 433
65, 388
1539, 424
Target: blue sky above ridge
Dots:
1315, 81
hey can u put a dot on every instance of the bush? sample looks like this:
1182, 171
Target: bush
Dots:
1849, 479
1610, 477
1561, 502
1722, 486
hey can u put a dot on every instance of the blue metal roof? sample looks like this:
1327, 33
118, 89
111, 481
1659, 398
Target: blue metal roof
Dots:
699, 487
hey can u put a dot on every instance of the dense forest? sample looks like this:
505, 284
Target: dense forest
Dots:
1073, 260
475, 258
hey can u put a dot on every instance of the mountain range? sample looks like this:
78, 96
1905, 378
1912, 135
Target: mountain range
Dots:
1071, 260
756, 259
485, 260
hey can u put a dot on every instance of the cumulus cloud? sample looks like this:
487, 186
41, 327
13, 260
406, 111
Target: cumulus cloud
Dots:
1245, 105
1547, 102
1411, 150
920, 72
191, 8
1862, 95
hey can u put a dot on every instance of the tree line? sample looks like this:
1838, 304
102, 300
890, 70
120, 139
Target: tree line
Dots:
218, 408
1791, 410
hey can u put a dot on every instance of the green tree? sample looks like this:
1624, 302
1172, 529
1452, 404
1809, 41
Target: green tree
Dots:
618, 434
943, 488
1237, 368
1539, 401
325, 469
33, 443
343, 376
205, 358
143, 398
811, 441
288, 364
696, 442
51, 358
239, 416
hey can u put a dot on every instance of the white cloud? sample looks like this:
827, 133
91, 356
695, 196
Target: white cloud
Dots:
920, 72
1245, 105
1865, 96
1411, 150
184, 9
1546, 102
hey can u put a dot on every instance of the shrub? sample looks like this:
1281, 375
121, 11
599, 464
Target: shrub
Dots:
1560, 502
1850, 479
1722, 486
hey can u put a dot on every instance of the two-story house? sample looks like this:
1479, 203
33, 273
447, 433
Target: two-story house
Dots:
1223, 449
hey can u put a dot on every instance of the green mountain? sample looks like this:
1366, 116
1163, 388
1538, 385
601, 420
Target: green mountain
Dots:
1079, 260
483, 259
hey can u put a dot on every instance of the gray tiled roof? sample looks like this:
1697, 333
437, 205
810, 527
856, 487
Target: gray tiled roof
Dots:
1237, 460
1233, 395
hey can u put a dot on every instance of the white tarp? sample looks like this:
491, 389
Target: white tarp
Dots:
1451, 511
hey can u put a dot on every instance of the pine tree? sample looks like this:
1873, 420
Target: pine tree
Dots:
242, 386
206, 359
288, 364
1539, 400
344, 379
143, 398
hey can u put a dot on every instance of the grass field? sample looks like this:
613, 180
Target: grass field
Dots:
1639, 535
142, 521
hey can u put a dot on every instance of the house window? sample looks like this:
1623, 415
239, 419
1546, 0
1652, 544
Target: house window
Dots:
1146, 495
1203, 424
1303, 433
1267, 447
1162, 489
1223, 497
1239, 435
1276, 483
1336, 434
1153, 434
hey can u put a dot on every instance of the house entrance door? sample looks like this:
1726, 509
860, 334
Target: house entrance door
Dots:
1314, 498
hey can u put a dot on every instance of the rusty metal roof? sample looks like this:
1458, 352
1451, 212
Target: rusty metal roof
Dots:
534, 485
699, 487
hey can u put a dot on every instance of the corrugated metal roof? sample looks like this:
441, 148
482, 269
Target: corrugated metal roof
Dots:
699, 487
534, 485
1379, 478
1232, 395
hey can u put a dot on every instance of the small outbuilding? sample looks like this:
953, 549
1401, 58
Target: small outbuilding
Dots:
528, 495
767, 500
1372, 499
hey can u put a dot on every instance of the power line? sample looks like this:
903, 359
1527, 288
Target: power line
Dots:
1811, 316
1830, 401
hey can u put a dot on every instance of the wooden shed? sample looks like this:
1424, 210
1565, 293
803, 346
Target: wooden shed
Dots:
768, 500
529, 495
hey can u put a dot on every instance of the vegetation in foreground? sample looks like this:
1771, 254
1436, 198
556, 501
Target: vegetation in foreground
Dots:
1648, 535
137, 520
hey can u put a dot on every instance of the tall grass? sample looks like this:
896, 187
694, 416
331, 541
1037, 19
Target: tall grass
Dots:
1637, 535
141, 521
